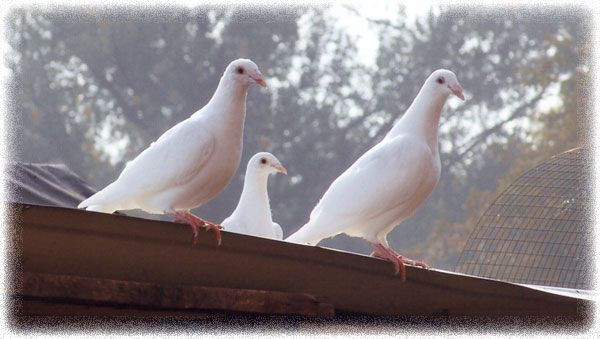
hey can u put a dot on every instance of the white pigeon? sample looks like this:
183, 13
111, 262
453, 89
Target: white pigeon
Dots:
253, 213
190, 163
390, 181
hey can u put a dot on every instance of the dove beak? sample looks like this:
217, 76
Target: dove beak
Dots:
258, 78
280, 169
457, 90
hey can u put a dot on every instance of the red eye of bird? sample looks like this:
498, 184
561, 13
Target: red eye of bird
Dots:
440, 80
239, 70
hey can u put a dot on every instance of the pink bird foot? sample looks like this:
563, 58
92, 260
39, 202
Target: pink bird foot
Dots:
399, 262
416, 263
198, 223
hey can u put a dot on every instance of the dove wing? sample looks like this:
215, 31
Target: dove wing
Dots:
172, 160
385, 177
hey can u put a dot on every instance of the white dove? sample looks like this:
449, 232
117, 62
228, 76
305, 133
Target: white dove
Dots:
190, 163
390, 181
253, 213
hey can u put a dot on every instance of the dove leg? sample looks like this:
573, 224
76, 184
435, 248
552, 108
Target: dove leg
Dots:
198, 223
386, 253
405, 260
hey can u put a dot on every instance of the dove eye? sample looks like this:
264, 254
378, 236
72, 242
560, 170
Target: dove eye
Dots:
239, 70
440, 80
263, 161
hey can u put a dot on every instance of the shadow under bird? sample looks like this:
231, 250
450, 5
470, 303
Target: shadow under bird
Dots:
390, 181
192, 162
253, 213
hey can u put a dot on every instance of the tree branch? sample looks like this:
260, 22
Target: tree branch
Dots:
375, 21
481, 137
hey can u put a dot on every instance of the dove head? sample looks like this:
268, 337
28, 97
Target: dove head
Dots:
444, 82
265, 162
245, 72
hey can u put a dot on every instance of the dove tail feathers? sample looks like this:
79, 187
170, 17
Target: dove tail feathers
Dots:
103, 201
101, 208
305, 235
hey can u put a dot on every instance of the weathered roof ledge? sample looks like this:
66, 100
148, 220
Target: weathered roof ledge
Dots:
61, 242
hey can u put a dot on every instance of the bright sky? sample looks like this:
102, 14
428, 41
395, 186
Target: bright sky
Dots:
363, 31
366, 37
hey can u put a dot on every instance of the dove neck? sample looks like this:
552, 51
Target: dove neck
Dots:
255, 197
230, 97
422, 118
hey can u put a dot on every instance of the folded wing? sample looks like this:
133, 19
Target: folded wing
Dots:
173, 160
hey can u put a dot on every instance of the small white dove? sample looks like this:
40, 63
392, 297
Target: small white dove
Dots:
390, 181
192, 162
253, 213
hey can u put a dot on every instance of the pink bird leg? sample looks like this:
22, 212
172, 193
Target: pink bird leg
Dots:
386, 253
197, 223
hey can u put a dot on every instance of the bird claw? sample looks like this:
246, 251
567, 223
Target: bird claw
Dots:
396, 259
422, 265
210, 226
416, 263
196, 223
374, 254
215, 228
399, 268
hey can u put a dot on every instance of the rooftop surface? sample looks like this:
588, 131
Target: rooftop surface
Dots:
162, 272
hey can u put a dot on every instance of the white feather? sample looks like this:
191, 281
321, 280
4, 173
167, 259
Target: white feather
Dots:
390, 181
278, 231
252, 215
190, 163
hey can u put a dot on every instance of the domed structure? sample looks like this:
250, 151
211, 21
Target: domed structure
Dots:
539, 230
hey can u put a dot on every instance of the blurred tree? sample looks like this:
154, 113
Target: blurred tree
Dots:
96, 90
512, 65
93, 88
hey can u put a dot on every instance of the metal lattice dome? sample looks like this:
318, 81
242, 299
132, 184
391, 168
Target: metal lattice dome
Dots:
539, 230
